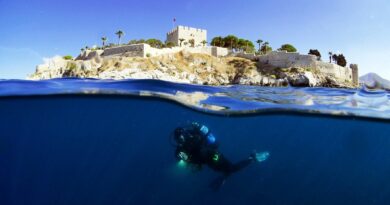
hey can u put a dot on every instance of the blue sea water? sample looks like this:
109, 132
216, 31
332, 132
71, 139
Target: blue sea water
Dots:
86, 141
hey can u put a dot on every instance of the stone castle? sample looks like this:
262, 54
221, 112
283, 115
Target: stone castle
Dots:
181, 37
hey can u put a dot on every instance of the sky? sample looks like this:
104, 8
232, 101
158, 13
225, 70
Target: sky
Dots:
32, 30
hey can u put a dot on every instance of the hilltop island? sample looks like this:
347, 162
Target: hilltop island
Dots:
186, 58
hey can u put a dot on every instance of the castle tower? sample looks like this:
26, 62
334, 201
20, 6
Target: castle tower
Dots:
355, 74
188, 34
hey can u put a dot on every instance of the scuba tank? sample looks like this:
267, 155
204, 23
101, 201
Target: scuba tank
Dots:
205, 131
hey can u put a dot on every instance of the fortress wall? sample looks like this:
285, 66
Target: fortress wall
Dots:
343, 73
144, 50
157, 51
203, 50
249, 56
136, 50
285, 60
219, 51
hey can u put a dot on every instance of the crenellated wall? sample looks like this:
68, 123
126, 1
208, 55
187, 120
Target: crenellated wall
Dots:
187, 33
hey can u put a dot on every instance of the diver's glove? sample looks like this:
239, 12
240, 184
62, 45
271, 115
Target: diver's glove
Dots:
259, 157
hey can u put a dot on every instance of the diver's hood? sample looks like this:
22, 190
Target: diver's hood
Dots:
180, 135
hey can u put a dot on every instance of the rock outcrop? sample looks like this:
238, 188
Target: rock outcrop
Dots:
183, 67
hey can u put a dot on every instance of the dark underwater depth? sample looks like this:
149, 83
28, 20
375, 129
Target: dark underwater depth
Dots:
85, 149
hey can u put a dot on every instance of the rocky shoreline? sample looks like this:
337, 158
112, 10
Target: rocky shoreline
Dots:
185, 67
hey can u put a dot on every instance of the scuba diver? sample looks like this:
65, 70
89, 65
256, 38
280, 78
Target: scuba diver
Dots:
197, 146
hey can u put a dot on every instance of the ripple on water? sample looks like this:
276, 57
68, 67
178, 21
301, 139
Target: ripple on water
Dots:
219, 99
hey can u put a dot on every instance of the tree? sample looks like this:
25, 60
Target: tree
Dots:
259, 41
104, 39
316, 53
119, 34
181, 41
340, 59
241, 44
231, 42
82, 49
131, 42
155, 43
334, 58
192, 42
244, 45
330, 56
204, 42
218, 41
185, 43
249, 47
288, 48
265, 48
169, 44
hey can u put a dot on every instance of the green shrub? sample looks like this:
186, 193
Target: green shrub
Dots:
169, 44
68, 57
148, 55
71, 66
288, 48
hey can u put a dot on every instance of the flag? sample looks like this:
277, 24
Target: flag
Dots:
174, 20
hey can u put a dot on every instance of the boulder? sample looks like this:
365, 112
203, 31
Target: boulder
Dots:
299, 80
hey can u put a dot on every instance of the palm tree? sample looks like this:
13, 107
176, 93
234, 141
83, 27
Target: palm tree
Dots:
266, 46
104, 39
192, 42
330, 56
204, 42
119, 34
335, 58
181, 41
259, 42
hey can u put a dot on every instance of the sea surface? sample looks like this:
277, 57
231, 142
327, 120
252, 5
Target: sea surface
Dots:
88, 141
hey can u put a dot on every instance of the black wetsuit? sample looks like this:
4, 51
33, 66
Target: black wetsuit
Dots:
201, 152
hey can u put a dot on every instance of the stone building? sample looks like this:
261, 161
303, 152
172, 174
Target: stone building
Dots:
283, 59
188, 34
